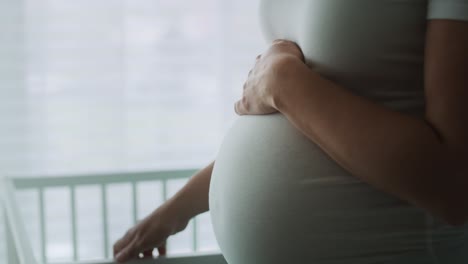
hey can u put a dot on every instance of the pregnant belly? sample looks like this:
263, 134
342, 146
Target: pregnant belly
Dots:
276, 197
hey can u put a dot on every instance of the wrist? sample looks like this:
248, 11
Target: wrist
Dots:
287, 68
178, 212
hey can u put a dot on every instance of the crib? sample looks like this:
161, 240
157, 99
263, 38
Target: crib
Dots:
18, 244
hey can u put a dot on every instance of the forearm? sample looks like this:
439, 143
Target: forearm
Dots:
192, 199
392, 151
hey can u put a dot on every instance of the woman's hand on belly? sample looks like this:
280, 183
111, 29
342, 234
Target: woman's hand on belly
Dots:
266, 77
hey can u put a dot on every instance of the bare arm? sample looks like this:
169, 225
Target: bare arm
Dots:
192, 199
168, 219
422, 161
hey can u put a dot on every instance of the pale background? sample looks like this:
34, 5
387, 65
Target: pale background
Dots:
94, 86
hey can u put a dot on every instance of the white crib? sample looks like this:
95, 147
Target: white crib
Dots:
18, 245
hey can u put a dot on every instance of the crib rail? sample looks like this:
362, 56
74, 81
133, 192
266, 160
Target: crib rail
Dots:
71, 182
189, 259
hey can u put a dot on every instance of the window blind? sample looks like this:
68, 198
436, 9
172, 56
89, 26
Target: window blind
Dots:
112, 85
118, 85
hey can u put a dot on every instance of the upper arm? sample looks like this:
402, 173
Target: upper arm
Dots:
446, 83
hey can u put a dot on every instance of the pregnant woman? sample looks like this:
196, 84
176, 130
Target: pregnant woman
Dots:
351, 146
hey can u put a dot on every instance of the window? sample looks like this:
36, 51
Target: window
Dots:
109, 85
118, 85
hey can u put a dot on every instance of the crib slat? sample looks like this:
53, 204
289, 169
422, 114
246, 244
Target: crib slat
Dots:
105, 229
73, 222
134, 203
43, 226
164, 190
195, 243
164, 196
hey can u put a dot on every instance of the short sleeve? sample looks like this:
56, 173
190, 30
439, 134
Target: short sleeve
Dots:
448, 9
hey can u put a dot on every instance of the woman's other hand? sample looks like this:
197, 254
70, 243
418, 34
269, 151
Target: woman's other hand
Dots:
150, 233
266, 77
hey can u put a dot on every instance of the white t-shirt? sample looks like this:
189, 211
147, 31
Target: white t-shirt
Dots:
372, 47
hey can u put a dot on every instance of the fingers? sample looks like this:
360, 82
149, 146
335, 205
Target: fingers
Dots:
241, 106
132, 250
122, 243
128, 247
162, 250
237, 108
127, 253
296, 49
148, 253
